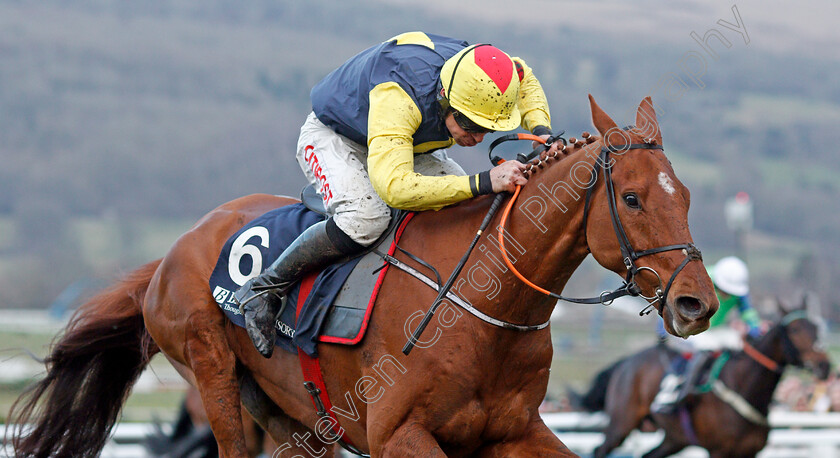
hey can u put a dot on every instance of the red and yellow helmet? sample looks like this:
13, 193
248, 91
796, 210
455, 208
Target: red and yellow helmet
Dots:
482, 83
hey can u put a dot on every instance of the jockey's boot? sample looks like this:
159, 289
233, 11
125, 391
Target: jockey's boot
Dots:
666, 399
262, 298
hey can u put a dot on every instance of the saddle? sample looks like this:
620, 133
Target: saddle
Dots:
310, 198
336, 303
683, 380
709, 372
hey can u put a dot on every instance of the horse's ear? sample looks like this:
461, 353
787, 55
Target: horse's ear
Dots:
783, 305
601, 120
647, 126
606, 126
811, 304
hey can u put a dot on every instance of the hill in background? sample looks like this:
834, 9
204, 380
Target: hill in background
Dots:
124, 122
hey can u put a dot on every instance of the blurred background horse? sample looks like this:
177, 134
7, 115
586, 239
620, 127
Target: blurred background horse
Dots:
728, 416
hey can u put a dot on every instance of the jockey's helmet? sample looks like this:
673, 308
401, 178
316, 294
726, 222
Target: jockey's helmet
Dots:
731, 276
482, 82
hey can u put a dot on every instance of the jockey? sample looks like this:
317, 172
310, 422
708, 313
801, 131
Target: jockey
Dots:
375, 139
731, 280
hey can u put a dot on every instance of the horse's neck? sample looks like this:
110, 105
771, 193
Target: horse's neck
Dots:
755, 382
548, 219
545, 234
543, 238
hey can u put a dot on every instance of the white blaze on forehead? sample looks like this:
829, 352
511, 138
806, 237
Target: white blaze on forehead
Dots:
666, 183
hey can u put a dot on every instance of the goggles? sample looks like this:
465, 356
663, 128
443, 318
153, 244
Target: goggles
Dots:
468, 125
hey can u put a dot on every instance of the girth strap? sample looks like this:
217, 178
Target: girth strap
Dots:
314, 378
737, 402
716, 386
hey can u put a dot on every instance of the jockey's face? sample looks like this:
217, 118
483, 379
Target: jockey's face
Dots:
461, 136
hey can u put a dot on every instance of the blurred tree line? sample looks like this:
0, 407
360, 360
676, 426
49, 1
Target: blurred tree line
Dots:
136, 112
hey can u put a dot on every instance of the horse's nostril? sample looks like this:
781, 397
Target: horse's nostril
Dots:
690, 307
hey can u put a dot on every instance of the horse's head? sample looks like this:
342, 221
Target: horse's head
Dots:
638, 228
800, 331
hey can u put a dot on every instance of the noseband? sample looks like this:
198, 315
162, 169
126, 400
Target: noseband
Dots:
628, 254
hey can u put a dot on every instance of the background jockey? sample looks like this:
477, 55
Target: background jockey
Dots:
375, 139
731, 279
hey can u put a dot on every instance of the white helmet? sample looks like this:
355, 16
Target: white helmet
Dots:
731, 276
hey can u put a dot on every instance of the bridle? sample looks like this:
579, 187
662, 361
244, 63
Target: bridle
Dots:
792, 355
628, 254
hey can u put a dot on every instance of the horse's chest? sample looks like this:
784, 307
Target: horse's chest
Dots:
486, 401
478, 421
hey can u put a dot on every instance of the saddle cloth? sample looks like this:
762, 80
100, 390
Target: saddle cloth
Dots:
341, 300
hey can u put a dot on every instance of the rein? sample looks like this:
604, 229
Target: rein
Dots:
760, 358
629, 255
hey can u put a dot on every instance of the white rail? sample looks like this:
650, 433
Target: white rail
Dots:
794, 435
578, 421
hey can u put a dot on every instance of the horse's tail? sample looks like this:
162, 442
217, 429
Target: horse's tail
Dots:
90, 371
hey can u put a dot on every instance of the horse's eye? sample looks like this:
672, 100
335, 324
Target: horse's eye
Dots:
632, 200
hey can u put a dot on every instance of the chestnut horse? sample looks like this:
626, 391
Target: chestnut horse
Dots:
469, 389
626, 389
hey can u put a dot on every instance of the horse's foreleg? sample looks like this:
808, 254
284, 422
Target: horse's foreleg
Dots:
538, 440
621, 424
409, 440
619, 428
214, 366
626, 408
613, 437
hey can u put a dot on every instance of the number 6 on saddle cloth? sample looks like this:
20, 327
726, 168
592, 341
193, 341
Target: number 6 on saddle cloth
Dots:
339, 305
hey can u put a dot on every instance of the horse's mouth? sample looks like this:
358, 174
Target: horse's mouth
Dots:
686, 316
685, 329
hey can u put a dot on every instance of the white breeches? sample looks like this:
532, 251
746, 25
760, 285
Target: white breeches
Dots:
337, 166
